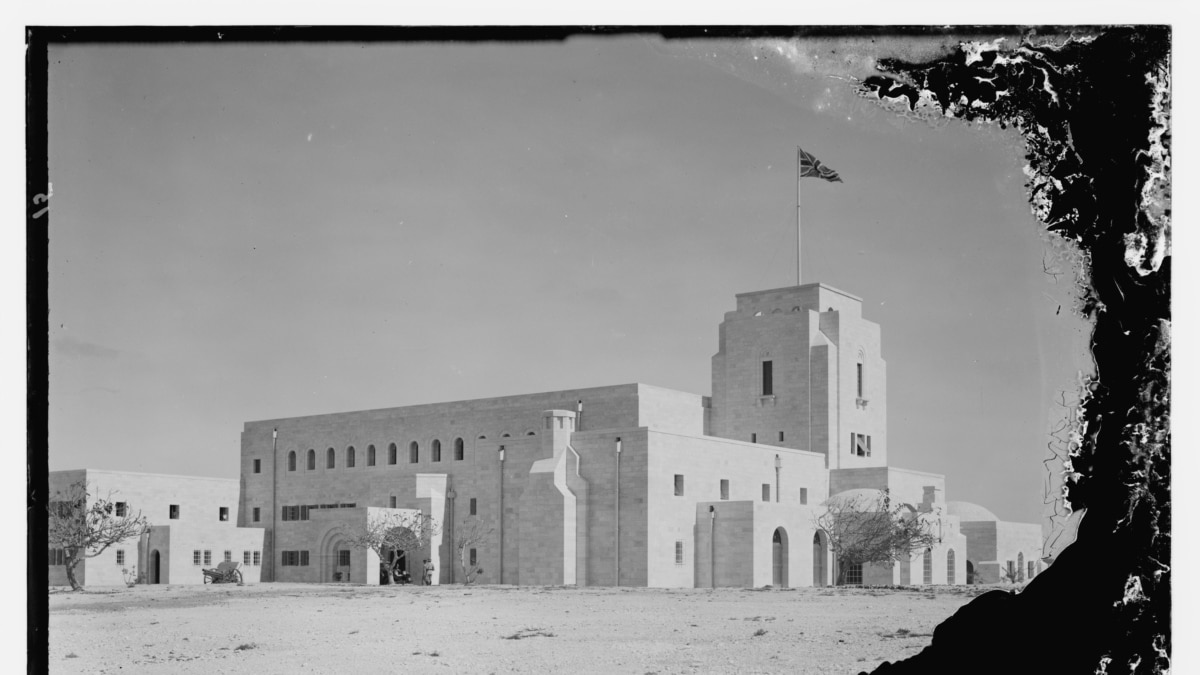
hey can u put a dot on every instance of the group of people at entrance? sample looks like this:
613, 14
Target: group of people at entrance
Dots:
397, 574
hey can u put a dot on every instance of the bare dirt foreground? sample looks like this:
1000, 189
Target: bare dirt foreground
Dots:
290, 628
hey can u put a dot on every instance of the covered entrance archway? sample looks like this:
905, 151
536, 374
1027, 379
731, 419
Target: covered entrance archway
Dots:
820, 557
779, 558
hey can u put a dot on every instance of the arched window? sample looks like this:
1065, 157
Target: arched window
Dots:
436, 450
504, 435
391, 453
861, 373
330, 459
350, 457
458, 449
1020, 567
950, 567
530, 433
928, 571
414, 453
482, 437
370, 455
292, 461
312, 459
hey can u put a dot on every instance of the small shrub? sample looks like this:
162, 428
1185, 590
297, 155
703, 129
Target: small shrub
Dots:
244, 646
760, 632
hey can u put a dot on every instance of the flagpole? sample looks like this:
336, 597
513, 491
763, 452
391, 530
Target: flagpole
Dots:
797, 215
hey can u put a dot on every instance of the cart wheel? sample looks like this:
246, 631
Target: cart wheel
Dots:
238, 575
207, 579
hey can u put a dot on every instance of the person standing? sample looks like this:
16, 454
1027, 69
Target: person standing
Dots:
428, 579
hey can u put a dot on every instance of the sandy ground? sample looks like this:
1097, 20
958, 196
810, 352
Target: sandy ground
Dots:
290, 628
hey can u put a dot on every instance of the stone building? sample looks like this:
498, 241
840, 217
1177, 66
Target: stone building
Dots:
998, 549
630, 485
193, 525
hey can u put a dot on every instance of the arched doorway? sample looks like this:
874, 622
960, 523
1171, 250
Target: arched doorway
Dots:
155, 562
970, 572
779, 558
820, 556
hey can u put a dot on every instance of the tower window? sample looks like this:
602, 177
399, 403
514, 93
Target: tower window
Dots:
257, 513
436, 450
258, 466
292, 461
312, 459
860, 445
370, 455
860, 380
768, 384
330, 458
414, 453
678, 485
458, 449
350, 457
391, 453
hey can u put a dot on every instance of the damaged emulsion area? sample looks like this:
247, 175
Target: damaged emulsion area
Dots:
1094, 113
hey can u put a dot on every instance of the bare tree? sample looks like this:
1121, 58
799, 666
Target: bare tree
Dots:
471, 534
389, 531
865, 529
85, 530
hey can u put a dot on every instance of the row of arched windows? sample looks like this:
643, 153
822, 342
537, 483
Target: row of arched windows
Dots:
414, 455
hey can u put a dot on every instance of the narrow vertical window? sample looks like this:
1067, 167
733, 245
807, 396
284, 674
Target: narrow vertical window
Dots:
1020, 566
414, 453
473, 507
927, 567
391, 453
474, 559
312, 459
292, 461
120, 509
753, 438
120, 556
208, 557
860, 380
257, 514
392, 502
258, 466
768, 384
781, 437
223, 513
330, 458
725, 488
370, 455
803, 495
678, 485
228, 556
350, 457
246, 558
435, 451
196, 557
458, 449
766, 492
258, 557
678, 552
173, 512
950, 567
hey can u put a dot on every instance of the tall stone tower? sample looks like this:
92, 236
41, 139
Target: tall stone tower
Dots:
799, 367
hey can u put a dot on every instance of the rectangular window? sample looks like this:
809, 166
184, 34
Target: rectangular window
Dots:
57, 556
854, 574
285, 558
195, 557
303, 511
860, 380
258, 466
120, 556
678, 552
803, 495
258, 557
473, 562
678, 485
208, 557
343, 558
228, 556
392, 502
781, 437
860, 444
1031, 570
246, 558
223, 513
768, 383
304, 558
724, 488
257, 514
753, 438
868, 446
766, 492
473, 511
173, 513
1012, 570
120, 509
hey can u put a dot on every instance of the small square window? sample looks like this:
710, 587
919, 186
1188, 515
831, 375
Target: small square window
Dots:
678, 485
725, 488
223, 513
174, 512
195, 557
766, 492
803, 495
258, 466
208, 557
473, 512
257, 514
121, 556
678, 552
121, 509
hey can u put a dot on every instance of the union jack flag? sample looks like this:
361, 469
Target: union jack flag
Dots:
811, 166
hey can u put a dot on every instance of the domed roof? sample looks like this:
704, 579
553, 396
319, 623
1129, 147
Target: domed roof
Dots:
968, 512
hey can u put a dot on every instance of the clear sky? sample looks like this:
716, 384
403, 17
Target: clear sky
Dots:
255, 231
